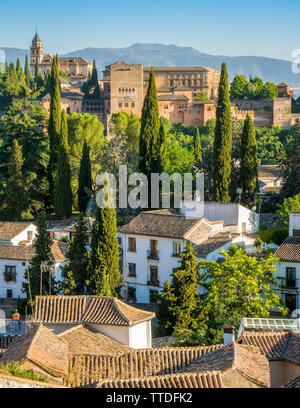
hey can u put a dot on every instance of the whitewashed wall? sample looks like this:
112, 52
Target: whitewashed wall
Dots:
294, 223
281, 272
23, 235
15, 286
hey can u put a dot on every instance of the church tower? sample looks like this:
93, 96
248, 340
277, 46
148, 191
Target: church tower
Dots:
36, 50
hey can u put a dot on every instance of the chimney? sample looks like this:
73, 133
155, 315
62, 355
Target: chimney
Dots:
228, 334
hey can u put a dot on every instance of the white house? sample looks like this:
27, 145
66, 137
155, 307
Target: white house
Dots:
16, 233
152, 243
107, 315
270, 179
232, 214
288, 268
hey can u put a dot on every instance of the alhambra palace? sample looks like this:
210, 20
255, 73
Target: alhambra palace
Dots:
124, 86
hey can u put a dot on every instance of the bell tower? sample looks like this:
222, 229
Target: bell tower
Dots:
36, 50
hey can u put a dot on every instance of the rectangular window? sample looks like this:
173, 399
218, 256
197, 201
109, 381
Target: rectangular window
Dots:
29, 235
133, 105
131, 244
154, 275
131, 294
291, 277
126, 105
291, 302
176, 248
166, 107
120, 105
132, 270
9, 293
296, 232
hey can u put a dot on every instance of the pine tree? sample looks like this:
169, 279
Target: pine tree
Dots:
149, 136
105, 277
42, 258
62, 181
75, 272
85, 178
16, 199
222, 142
177, 309
197, 147
54, 126
28, 77
162, 147
248, 170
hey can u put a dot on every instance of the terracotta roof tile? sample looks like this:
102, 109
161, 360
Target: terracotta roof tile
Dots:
289, 250
88, 309
59, 251
8, 230
269, 171
271, 344
17, 252
294, 383
213, 243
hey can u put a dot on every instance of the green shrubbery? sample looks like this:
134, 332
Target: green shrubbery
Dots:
13, 368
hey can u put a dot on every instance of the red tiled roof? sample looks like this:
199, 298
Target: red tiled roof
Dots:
289, 250
271, 344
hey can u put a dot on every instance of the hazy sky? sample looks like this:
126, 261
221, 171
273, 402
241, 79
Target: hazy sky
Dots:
234, 27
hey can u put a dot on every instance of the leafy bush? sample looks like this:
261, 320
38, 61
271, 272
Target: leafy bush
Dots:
276, 235
13, 367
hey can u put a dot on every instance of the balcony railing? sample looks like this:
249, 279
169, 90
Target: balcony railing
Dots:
288, 284
153, 283
153, 254
10, 327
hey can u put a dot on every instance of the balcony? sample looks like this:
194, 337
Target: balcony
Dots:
153, 283
153, 254
288, 284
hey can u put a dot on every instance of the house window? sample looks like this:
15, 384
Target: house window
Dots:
154, 275
131, 294
176, 248
131, 244
296, 232
291, 277
132, 270
153, 296
9, 293
29, 235
291, 302
10, 273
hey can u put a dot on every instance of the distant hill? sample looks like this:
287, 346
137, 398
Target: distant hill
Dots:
269, 69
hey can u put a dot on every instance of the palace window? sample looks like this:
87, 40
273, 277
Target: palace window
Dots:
132, 270
126, 105
120, 104
131, 244
133, 105
166, 107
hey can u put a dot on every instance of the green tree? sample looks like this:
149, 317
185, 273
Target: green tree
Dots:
237, 87
75, 272
62, 181
16, 201
38, 80
20, 72
54, 125
133, 131
105, 277
240, 286
269, 91
85, 182
258, 83
202, 97
42, 245
222, 142
291, 204
163, 147
28, 77
149, 137
197, 148
290, 163
179, 304
248, 170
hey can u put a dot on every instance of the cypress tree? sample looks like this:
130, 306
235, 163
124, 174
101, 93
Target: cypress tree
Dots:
85, 178
197, 147
75, 272
62, 184
16, 199
248, 170
149, 136
28, 77
290, 163
94, 82
222, 142
19, 70
179, 301
42, 246
163, 147
105, 277
38, 80
54, 126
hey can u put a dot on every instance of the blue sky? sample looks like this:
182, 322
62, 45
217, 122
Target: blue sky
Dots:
267, 27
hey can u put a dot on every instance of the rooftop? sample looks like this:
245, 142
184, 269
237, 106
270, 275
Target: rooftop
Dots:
269, 171
9, 230
213, 243
289, 250
88, 309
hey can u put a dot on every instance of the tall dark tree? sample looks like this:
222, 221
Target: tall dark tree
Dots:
179, 301
248, 170
197, 147
19, 71
62, 181
94, 82
85, 182
54, 126
41, 263
222, 142
162, 147
290, 163
16, 200
28, 77
38, 80
105, 277
149, 136
75, 272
